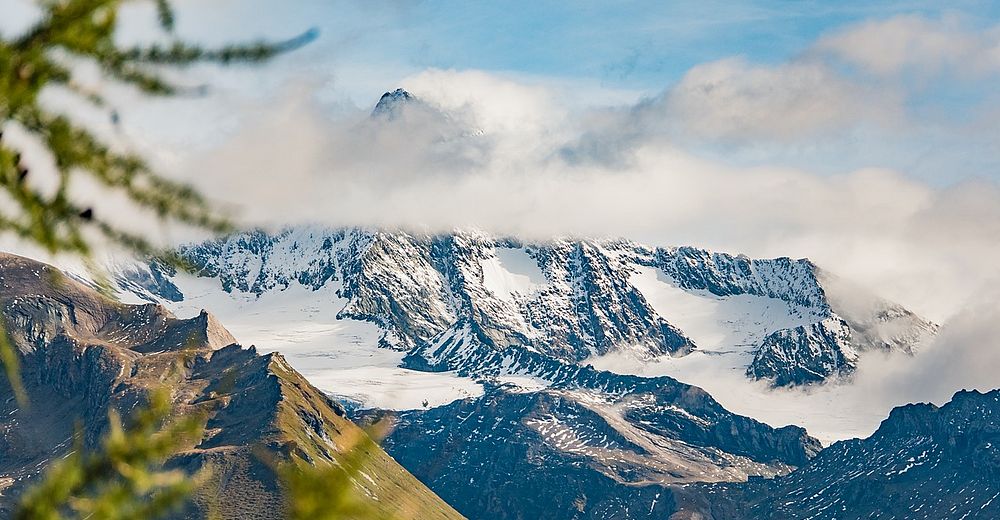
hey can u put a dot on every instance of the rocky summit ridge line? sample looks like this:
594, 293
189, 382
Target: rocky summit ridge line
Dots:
579, 298
924, 462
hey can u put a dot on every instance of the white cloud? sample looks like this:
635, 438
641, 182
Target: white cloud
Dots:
874, 77
926, 247
731, 99
964, 356
915, 44
496, 104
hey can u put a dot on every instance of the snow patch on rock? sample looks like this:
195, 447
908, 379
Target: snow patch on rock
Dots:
510, 272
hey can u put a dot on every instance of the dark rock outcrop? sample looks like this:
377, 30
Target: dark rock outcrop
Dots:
924, 461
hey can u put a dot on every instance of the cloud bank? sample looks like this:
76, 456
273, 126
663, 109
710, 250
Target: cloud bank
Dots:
916, 44
512, 156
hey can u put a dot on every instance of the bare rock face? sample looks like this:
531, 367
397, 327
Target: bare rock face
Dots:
391, 103
924, 461
420, 289
797, 355
587, 453
83, 353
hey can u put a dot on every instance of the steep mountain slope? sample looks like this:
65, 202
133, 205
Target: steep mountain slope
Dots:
923, 462
82, 354
783, 320
601, 446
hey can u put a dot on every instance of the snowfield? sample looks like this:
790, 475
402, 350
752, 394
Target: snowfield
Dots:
726, 330
340, 356
511, 272
345, 306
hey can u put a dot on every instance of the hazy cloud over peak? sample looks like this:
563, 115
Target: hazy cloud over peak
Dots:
461, 161
797, 156
732, 99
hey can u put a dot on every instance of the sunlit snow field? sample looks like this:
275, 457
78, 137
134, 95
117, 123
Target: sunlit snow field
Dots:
511, 271
342, 357
726, 331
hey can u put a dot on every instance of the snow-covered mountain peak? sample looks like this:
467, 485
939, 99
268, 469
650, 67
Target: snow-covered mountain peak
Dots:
572, 300
391, 103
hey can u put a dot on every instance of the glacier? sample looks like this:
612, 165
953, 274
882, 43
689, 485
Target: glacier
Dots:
427, 317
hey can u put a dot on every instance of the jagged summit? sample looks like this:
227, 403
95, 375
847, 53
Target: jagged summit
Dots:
456, 300
391, 104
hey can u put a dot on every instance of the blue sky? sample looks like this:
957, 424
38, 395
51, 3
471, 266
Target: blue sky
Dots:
634, 45
616, 53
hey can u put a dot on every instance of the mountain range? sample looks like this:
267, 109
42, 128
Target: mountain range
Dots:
924, 461
527, 322
468, 301
516, 373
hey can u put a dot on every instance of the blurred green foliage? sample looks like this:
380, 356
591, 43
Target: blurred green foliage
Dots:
125, 477
69, 35
328, 492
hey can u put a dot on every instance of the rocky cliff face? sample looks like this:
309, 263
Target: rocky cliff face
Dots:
568, 299
602, 446
417, 287
82, 353
551, 454
923, 462
797, 355
391, 103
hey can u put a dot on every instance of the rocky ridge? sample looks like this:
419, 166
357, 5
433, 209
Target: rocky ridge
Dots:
579, 298
82, 353
924, 461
